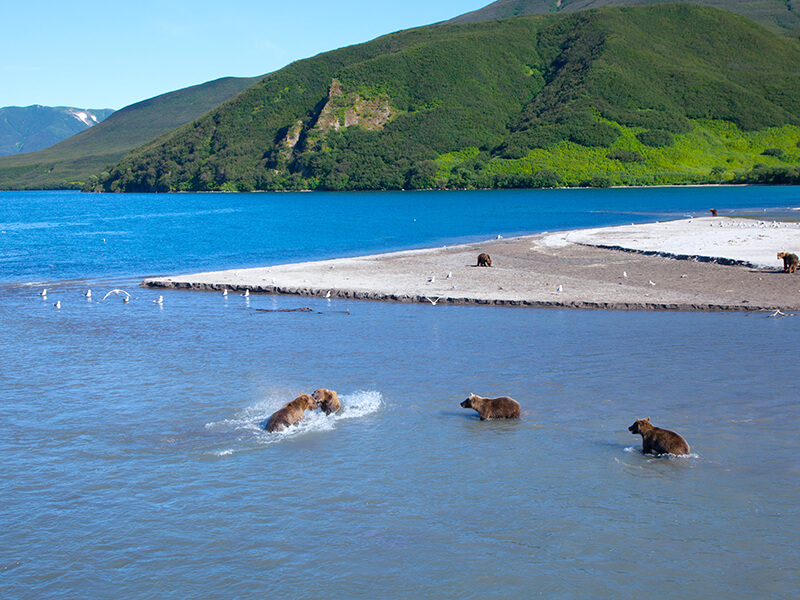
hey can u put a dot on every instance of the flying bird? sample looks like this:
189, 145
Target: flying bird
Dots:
116, 292
433, 301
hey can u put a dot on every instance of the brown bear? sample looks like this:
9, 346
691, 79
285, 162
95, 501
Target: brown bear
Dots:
493, 408
328, 400
290, 414
713, 212
789, 261
484, 260
658, 441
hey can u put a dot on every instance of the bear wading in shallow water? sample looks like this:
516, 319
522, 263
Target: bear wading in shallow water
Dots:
328, 400
484, 260
658, 441
291, 413
789, 261
493, 408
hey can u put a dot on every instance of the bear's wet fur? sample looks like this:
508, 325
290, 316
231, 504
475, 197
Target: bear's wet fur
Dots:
484, 260
658, 441
790, 261
328, 400
502, 407
291, 413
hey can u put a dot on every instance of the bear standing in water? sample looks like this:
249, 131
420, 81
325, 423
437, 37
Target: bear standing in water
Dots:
328, 400
658, 441
493, 408
291, 413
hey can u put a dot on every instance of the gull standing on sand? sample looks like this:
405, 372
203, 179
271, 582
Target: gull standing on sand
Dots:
560, 288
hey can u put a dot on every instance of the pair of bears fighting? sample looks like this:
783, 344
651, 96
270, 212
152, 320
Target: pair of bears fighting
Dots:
654, 439
293, 412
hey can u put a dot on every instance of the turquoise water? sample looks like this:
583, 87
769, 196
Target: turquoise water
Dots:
134, 465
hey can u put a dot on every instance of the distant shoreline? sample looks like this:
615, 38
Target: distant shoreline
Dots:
705, 264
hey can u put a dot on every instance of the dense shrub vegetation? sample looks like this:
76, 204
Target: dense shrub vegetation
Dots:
622, 92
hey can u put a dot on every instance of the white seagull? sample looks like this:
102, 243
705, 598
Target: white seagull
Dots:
160, 300
43, 293
433, 301
225, 292
57, 304
328, 295
650, 282
246, 294
560, 288
116, 292
88, 293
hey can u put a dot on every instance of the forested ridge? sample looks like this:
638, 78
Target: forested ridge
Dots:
670, 93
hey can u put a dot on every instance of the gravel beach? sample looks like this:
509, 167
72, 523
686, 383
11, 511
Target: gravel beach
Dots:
711, 263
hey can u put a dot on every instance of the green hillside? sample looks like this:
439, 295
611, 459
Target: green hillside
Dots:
496, 104
70, 162
778, 15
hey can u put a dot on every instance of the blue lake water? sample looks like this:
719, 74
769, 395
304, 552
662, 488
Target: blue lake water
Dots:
133, 463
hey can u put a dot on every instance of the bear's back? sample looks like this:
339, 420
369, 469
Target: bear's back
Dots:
664, 441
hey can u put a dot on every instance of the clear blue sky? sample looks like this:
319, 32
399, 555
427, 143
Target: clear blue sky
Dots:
111, 54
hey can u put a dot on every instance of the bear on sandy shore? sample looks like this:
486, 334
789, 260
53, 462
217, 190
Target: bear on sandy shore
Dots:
328, 400
789, 261
658, 441
484, 260
290, 414
493, 408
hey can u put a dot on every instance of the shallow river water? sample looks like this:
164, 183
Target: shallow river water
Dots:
134, 464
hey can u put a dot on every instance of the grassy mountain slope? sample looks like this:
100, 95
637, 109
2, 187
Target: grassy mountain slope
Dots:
70, 162
777, 15
464, 105
31, 128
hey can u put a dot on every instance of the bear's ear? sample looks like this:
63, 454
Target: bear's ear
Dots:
647, 419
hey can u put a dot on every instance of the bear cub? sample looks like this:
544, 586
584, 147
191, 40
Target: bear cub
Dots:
493, 408
291, 413
658, 441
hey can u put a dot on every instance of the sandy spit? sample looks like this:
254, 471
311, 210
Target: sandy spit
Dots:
712, 263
